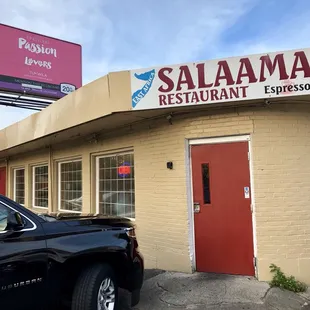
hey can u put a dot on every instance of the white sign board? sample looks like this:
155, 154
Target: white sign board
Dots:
233, 79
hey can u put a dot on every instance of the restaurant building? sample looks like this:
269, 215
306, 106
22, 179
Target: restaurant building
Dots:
210, 159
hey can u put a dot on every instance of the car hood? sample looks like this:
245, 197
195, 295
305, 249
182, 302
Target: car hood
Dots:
90, 220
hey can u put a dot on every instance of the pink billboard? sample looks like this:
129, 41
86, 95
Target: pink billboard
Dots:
34, 64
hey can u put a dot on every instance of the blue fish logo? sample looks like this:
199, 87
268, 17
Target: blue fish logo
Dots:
148, 77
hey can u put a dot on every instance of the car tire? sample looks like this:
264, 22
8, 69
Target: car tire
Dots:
94, 283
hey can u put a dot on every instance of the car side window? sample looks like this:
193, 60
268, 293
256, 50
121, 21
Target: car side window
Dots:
3, 217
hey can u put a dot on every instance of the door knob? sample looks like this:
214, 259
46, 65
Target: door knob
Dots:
196, 207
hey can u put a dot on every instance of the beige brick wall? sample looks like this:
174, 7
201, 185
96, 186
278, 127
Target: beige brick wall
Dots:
281, 157
281, 142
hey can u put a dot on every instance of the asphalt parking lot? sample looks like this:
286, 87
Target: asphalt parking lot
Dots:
199, 291
165, 290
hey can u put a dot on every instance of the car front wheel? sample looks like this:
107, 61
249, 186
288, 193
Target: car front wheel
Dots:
96, 289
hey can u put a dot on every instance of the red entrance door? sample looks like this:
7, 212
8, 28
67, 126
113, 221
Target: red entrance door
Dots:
223, 225
3, 181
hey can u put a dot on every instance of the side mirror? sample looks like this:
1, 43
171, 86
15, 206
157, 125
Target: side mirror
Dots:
15, 221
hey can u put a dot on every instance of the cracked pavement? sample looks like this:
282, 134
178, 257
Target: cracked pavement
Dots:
168, 290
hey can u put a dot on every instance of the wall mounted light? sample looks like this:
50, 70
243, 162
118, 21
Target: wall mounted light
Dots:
169, 118
170, 165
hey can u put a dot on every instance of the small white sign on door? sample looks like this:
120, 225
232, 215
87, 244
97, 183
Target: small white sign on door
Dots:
246, 192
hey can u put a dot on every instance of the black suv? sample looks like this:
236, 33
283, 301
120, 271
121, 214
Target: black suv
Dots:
80, 261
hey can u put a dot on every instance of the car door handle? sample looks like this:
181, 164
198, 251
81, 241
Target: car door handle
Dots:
9, 267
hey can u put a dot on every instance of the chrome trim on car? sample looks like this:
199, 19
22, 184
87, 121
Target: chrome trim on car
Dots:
21, 284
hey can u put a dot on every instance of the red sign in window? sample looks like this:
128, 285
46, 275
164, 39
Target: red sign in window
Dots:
124, 170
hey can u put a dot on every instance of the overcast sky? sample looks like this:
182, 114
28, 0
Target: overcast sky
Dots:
121, 34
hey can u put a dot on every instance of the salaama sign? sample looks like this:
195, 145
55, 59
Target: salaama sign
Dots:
233, 79
35, 64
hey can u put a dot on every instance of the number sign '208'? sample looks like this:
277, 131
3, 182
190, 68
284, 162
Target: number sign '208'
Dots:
66, 88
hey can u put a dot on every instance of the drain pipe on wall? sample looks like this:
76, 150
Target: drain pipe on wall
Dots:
7, 177
51, 178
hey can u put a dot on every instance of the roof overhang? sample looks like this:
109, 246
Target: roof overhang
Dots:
96, 128
98, 108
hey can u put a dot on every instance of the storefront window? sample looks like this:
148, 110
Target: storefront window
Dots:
40, 187
116, 185
70, 186
19, 186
